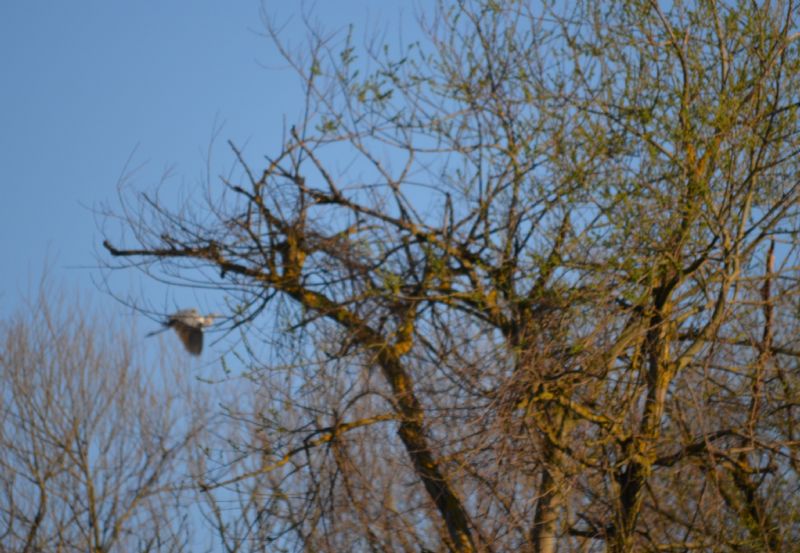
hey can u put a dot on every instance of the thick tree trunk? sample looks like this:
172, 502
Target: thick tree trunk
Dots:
545, 522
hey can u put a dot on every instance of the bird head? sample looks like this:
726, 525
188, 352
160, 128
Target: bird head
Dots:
208, 320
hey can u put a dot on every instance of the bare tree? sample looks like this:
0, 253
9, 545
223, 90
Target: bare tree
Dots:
531, 285
92, 451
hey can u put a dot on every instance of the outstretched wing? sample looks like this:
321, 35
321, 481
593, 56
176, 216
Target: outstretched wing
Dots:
191, 336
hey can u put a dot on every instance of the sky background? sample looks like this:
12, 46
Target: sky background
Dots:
92, 88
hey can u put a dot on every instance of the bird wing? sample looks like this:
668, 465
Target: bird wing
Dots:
192, 337
185, 316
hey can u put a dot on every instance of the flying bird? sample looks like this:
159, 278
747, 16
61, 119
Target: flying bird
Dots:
189, 325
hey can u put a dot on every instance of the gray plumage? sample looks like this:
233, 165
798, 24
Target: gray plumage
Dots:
188, 325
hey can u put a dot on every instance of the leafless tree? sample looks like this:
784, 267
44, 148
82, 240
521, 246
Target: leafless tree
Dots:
93, 448
530, 284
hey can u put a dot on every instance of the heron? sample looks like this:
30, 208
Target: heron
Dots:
189, 325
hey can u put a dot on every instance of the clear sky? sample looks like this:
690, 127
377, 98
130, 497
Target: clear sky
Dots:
87, 85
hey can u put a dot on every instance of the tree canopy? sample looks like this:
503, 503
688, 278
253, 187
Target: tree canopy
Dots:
530, 284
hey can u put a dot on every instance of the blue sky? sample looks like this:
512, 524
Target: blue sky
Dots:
89, 85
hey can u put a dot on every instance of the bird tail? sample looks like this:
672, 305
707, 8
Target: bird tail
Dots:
159, 331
